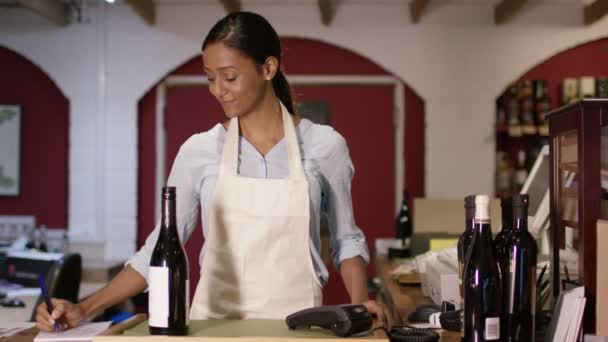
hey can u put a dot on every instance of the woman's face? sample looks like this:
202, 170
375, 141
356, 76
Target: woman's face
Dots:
234, 79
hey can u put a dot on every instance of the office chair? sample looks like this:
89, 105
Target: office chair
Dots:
63, 280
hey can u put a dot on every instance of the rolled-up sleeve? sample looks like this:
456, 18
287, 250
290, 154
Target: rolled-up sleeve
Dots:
187, 205
347, 240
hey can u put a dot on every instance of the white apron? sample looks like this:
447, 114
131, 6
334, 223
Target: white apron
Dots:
257, 261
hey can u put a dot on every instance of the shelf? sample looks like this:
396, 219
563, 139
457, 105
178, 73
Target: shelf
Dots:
523, 131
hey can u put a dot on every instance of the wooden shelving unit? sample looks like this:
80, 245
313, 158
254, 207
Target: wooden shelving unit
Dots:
576, 133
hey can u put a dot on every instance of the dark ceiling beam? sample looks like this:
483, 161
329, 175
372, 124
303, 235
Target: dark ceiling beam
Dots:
145, 9
53, 10
506, 9
327, 9
417, 8
231, 5
595, 11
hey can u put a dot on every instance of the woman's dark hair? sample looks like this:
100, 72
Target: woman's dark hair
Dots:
253, 35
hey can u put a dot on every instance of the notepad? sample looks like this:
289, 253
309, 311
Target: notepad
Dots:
83, 332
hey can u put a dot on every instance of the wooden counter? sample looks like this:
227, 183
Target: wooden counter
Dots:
401, 300
249, 330
136, 329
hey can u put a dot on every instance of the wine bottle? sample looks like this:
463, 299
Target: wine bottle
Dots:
42, 243
519, 280
403, 222
481, 280
462, 248
501, 242
501, 239
168, 297
465, 238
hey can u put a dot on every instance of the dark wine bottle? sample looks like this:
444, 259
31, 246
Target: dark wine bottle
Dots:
465, 238
481, 280
519, 280
464, 241
501, 242
42, 244
403, 222
168, 296
502, 238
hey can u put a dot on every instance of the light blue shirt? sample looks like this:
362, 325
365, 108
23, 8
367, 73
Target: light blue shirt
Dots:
328, 168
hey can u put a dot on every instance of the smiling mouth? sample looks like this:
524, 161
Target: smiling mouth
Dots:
227, 103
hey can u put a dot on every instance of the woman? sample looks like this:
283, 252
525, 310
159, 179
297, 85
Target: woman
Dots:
262, 179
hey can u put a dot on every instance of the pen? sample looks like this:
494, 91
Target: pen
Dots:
47, 299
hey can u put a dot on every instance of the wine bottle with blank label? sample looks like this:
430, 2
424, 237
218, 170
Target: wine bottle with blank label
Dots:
482, 280
168, 296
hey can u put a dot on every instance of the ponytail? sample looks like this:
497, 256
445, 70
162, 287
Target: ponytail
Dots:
283, 91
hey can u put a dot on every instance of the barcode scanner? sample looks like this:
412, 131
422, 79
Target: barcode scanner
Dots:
343, 320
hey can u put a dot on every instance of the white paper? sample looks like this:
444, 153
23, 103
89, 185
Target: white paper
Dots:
570, 315
24, 292
8, 329
83, 332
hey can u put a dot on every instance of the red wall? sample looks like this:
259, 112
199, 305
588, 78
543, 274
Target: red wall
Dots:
588, 59
366, 123
44, 141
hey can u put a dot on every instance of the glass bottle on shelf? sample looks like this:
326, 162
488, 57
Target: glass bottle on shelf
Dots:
569, 90
587, 87
513, 111
527, 107
521, 172
601, 88
542, 106
503, 174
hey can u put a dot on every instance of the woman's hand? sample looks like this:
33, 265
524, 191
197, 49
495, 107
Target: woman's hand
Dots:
378, 310
66, 313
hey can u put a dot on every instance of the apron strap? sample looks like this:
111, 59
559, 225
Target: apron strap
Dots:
230, 154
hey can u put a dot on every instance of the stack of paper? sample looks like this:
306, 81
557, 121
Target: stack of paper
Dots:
83, 332
567, 316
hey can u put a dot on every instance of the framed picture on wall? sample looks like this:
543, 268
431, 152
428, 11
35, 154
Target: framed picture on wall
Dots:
10, 150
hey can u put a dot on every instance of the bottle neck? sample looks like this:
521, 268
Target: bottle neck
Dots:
481, 220
520, 219
483, 228
507, 218
469, 215
168, 219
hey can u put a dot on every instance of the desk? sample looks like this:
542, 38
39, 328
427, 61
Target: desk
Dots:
136, 330
226, 330
24, 314
401, 300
